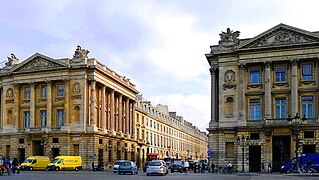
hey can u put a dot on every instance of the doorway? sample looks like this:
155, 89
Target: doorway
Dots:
100, 156
280, 151
254, 158
37, 148
21, 155
311, 148
55, 152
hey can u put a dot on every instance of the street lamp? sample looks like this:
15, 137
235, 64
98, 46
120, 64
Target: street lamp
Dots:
243, 142
294, 124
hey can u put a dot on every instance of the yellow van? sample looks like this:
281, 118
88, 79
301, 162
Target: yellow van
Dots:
35, 163
65, 163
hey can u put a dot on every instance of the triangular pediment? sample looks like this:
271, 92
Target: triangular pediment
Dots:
38, 62
280, 35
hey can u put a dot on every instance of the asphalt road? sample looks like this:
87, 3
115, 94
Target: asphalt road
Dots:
70, 175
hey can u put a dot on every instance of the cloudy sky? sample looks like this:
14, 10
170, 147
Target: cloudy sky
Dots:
158, 44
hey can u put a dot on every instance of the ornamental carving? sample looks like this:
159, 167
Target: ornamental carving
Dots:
229, 38
229, 79
283, 38
76, 88
38, 63
9, 93
12, 60
80, 53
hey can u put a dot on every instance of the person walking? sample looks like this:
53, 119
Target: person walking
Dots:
213, 167
186, 166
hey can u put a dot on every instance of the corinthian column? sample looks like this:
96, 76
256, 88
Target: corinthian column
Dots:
112, 111
92, 105
267, 91
120, 114
103, 107
213, 120
49, 104
241, 95
32, 106
294, 86
127, 118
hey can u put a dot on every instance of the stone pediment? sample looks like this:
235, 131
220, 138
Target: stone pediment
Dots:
280, 35
38, 62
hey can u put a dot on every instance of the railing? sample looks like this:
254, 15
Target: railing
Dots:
277, 122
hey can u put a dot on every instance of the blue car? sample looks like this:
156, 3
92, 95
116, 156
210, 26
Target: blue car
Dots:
127, 167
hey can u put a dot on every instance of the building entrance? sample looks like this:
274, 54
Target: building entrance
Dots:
21, 155
55, 152
37, 148
309, 148
280, 151
254, 158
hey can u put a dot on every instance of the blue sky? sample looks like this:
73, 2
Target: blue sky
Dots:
158, 44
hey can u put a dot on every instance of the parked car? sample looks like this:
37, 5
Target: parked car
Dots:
145, 166
156, 167
127, 167
65, 163
313, 158
165, 164
116, 165
176, 168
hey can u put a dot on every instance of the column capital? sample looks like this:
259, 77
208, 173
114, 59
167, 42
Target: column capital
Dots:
294, 62
212, 69
241, 66
267, 64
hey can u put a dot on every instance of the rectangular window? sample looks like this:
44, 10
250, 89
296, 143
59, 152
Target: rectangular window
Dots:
254, 136
43, 117
280, 73
254, 107
27, 119
309, 134
229, 149
60, 117
281, 107
60, 89
307, 104
27, 92
254, 76
307, 72
43, 91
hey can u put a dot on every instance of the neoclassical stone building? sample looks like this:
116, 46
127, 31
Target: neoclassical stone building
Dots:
79, 106
66, 106
168, 135
256, 83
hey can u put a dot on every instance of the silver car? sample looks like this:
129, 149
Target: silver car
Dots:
156, 167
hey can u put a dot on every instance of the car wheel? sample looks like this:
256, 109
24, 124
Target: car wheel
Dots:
102, 169
147, 174
57, 168
76, 168
289, 171
119, 172
31, 168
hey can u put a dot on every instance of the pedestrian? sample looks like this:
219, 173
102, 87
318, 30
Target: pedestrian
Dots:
15, 163
92, 165
229, 167
269, 168
213, 167
6, 164
262, 168
186, 166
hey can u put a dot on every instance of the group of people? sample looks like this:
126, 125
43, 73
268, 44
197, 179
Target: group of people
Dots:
9, 165
228, 168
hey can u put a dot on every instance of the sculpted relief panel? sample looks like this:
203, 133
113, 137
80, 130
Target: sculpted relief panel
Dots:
229, 82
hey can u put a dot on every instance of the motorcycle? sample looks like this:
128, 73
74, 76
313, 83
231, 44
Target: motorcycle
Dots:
99, 167
17, 169
3, 170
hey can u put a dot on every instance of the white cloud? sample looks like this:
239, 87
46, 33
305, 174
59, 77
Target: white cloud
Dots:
194, 108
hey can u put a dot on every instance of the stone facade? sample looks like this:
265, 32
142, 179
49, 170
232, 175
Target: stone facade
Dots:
256, 83
79, 106
168, 135
66, 106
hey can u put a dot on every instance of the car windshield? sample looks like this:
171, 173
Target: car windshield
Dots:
155, 164
125, 164
54, 160
28, 161
117, 163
